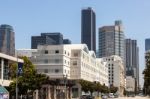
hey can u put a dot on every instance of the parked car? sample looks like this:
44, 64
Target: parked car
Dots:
86, 97
104, 97
111, 95
116, 95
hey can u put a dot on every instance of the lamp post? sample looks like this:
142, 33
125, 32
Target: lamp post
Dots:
17, 79
65, 82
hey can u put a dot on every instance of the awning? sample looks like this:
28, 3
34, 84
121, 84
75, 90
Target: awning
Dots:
3, 90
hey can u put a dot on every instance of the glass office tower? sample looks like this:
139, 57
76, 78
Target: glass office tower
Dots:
88, 28
7, 40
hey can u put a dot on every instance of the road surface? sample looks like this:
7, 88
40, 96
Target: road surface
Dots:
137, 97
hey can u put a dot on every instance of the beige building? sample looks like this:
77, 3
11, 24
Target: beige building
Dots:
130, 84
116, 72
74, 61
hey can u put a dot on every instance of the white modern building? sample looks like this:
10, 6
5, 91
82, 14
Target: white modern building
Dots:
116, 72
5, 61
74, 60
130, 84
25, 52
103, 71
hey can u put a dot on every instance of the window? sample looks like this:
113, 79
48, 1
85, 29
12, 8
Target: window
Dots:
112, 67
46, 61
74, 62
56, 70
68, 54
45, 70
76, 54
57, 51
56, 60
46, 51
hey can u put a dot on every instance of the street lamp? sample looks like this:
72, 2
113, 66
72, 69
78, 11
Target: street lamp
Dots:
65, 82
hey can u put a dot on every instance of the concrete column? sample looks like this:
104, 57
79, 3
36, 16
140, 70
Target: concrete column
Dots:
70, 92
37, 94
2, 69
55, 92
49, 92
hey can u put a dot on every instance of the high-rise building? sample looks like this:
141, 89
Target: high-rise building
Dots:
132, 61
88, 28
46, 38
7, 40
112, 40
147, 44
116, 72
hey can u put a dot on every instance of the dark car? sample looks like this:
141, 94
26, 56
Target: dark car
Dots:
86, 97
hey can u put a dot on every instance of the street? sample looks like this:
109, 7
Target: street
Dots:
137, 97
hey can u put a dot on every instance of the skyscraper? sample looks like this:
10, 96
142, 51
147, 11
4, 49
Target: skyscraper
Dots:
7, 40
46, 38
112, 40
88, 28
132, 60
147, 44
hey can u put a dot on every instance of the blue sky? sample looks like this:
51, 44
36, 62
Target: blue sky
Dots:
31, 17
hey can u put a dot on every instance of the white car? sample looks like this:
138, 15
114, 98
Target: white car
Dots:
111, 95
104, 97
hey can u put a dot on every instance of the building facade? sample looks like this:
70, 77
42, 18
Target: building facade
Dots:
130, 84
46, 38
147, 44
7, 40
25, 52
88, 28
132, 61
73, 60
111, 40
5, 61
116, 72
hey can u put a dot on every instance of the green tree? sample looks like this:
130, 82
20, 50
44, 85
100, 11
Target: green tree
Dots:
146, 73
113, 89
104, 89
92, 87
85, 85
98, 87
29, 81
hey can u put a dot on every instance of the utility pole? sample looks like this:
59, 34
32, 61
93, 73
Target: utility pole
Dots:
17, 80
65, 82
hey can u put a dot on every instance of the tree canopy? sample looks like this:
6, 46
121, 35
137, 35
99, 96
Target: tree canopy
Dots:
146, 73
93, 86
30, 80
